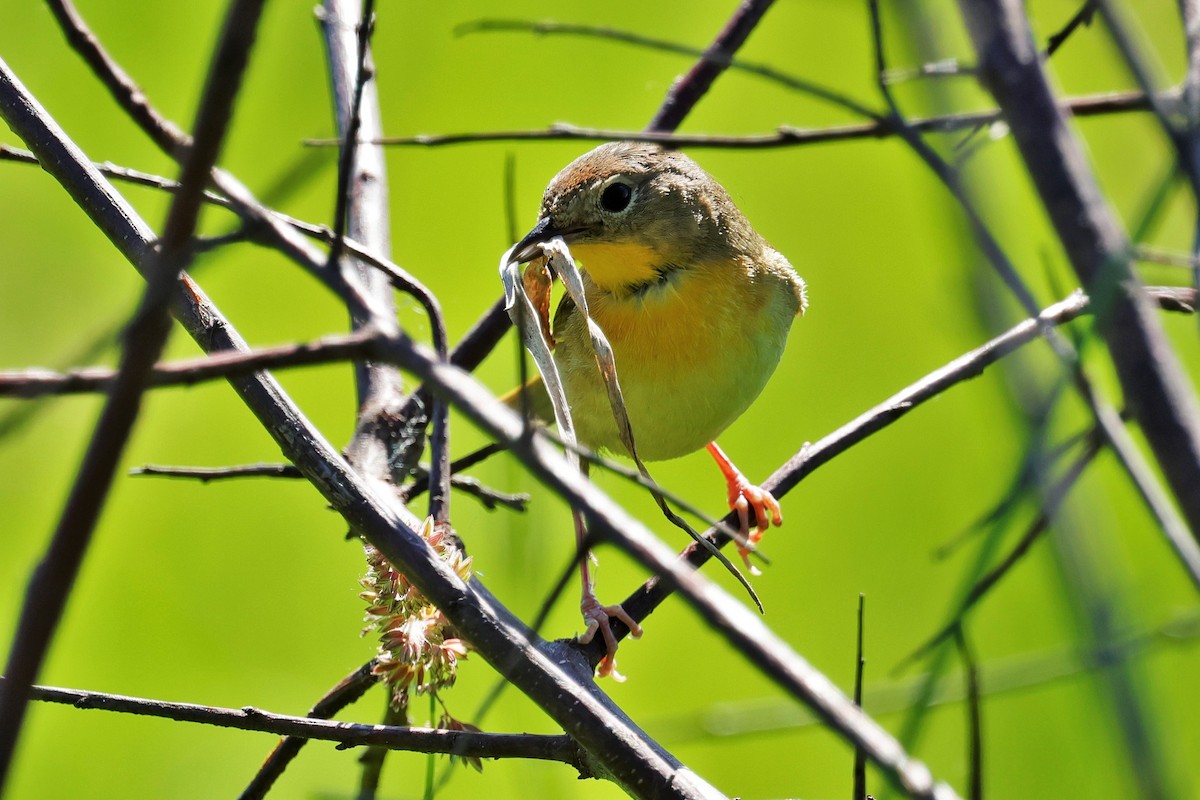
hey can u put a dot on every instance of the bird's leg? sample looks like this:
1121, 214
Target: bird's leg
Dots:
745, 497
595, 615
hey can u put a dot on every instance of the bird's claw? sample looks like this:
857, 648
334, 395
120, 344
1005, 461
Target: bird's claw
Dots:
744, 498
597, 617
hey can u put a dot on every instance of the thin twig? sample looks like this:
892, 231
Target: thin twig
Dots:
1184, 544
687, 90
859, 791
1150, 374
1081, 18
784, 136
127, 174
347, 691
488, 497
711, 55
208, 474
974, 717
347, 734
221, 365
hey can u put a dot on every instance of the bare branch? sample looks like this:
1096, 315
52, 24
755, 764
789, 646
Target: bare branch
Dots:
489, 498
1142, 477
51, 584
1151, 376
347, 734
784, 136
347, 691
129, 96
687, 90
649, 596
1079, 19
208, 474
859, 791
974, 717
221, 365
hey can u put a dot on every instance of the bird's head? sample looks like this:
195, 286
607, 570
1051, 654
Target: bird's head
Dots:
628, 210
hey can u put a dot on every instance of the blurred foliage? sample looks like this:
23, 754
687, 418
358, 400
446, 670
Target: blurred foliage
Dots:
244, 593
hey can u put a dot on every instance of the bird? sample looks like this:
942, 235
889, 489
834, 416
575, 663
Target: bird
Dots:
695, 304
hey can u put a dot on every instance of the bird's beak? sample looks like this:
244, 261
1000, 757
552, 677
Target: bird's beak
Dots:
544, 231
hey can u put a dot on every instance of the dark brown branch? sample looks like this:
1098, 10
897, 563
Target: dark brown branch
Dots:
489, 498
859, 792
269, 226
51, 583
1079, 19
208, 474
974, 718
785, 136
1151, 377
553, 675
218, 366
347, 734
1118, 438
687, 90
128, 95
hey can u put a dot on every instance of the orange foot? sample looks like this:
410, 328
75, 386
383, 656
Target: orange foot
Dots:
745, 497
597, 618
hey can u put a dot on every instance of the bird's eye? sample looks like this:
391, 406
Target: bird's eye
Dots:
616, 197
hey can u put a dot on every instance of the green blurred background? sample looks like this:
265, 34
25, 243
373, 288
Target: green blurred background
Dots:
244, 593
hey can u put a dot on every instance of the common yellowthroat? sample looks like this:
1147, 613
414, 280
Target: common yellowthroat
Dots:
695, 303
